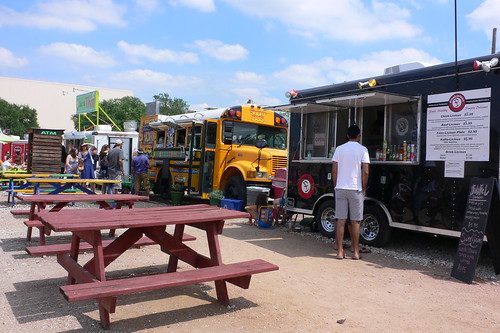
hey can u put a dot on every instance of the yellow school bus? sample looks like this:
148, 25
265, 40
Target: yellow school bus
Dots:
224, 149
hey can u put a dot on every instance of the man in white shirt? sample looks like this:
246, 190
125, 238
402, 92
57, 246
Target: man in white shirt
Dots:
350, 172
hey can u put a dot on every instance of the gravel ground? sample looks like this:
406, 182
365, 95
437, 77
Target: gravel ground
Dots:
404, 287
417, 248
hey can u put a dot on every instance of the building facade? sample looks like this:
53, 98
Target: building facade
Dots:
54, 102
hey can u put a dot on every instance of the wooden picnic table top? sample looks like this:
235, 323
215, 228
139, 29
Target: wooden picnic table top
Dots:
100, 219
43, 198
72, 180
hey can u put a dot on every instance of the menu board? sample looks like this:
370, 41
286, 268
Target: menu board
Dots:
474, 225
458, 126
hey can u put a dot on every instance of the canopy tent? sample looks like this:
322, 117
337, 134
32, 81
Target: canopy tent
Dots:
4, 138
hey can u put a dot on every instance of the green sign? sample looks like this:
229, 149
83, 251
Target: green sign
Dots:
45, 132
88, 102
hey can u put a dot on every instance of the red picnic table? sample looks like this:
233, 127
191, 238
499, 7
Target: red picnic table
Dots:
39, 202
88, 281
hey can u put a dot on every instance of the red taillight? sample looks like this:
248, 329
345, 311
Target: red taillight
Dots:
232, 113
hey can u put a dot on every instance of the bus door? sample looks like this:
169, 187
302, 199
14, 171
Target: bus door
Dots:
193, 155
208, 156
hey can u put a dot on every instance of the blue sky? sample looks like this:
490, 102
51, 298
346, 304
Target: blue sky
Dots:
224, 52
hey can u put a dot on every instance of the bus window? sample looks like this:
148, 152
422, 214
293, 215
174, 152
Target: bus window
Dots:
197, 137
228, 132
211, 135
181, 137
275, 137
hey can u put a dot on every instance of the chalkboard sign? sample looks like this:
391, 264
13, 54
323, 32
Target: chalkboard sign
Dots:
475, 219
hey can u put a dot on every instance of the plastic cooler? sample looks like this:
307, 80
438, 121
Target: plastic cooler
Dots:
232, 204
279, 183
255, 191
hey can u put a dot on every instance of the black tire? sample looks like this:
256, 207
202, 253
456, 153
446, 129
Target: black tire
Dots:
236, 189
374, 229
325, 221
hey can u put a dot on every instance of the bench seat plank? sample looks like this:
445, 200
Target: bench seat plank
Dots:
111, 288
20, 212
54, 249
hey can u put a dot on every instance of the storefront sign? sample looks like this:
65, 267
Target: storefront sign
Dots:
88, 102
458, 124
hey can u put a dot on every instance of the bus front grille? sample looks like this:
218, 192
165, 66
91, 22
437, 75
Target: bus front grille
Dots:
278, 163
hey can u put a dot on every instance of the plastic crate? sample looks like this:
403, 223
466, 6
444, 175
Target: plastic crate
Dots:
232, 204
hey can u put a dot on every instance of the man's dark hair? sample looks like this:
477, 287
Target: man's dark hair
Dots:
353, 131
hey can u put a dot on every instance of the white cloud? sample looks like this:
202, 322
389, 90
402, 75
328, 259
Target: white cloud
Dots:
328, 70
157, 80
147, 5
140, 51
485, 17
347, 20
249, 77
201, 5
72, 15
221, 51
8, 59
78, 54
256, 95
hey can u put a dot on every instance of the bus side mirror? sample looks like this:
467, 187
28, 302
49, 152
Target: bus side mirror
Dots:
261, 144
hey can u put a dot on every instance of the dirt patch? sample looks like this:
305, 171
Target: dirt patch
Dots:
312, 291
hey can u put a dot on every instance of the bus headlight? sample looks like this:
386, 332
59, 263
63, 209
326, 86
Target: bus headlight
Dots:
261, 175
255, 174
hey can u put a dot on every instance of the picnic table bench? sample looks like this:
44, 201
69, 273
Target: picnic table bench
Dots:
39, 202
88, 281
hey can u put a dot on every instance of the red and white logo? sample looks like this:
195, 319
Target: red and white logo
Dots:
456, 102
306, 186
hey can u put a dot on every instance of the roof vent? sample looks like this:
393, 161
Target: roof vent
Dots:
403, 68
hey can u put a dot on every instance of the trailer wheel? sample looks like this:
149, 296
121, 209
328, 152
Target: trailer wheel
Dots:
325, 221
236, 189
374, 229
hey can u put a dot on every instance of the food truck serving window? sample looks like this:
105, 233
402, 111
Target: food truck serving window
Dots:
323, 131
390, 132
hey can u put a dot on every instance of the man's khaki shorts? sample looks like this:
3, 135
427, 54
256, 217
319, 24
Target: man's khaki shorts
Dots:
349, 204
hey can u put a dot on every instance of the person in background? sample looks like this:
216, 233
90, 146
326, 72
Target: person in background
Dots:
95, 159
115, 165
17, 159
6, 165
103, 167
88, 163
64, 155
71, 163
7, 156
140, 165
350, 172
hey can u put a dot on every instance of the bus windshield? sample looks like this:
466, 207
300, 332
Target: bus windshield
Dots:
248, 134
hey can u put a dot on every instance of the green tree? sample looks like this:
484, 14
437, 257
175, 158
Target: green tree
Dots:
118, 109
171, 106
17, 118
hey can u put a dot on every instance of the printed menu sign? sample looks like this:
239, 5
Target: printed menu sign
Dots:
475, 219
458, 124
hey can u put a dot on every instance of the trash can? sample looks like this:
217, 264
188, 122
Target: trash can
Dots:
255, 191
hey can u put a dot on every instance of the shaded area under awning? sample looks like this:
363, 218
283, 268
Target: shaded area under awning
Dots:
366, 99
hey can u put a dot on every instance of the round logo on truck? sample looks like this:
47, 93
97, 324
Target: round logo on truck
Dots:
456, 102
306, 186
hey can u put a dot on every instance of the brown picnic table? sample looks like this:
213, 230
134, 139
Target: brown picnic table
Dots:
40, 202
88, 280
